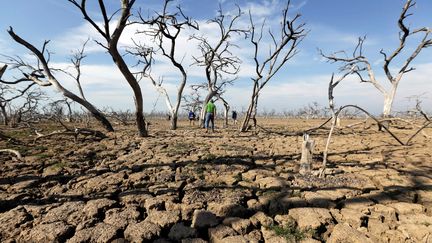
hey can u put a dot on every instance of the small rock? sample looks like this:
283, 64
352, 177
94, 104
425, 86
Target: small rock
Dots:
358, 203
100, 233
254, 236
352, 217
377, 228
241, 226
202, 218
311, 218
270, 236
179, 231
163, 218
135, 197
261, 219
416, 232
220, 232
70, 212
383, 213
141, 232
272, 183
282, 204
98, 206
407, 208
121, 217
226, 209
345, 233
52, 232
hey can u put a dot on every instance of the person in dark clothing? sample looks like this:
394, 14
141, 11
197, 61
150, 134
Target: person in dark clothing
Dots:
234, 117
191, 117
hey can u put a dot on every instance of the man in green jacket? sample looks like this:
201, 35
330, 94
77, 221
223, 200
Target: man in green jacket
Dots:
210, 115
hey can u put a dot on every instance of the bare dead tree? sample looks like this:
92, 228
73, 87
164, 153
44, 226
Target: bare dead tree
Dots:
146, 59
27, 107
112, 38
76, 60
419, 109
192, 101
331, 87
165, 29
42, 74
56, 107
335, 114
283, 48
221, 66
8, 94
121, 116
363, 69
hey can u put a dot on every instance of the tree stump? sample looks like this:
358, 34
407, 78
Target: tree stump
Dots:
338, 122
306, 155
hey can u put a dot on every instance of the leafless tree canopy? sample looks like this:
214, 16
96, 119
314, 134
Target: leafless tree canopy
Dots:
165, 29
359, 65
284, 46
220, 65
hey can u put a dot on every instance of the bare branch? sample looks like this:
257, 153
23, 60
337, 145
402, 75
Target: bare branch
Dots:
282, 49
15, 152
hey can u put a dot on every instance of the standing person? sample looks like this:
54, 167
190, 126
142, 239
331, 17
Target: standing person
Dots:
234, 117
210, 115
191, 117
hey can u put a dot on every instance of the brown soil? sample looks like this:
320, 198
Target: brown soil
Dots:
191, 186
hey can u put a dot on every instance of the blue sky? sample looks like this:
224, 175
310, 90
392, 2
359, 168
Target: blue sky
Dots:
333, 24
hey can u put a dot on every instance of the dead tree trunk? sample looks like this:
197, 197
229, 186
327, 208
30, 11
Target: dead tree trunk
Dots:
251, 111
226, 109
306, 155
112, 39
388, 100
133, 83
51, 80
5, 115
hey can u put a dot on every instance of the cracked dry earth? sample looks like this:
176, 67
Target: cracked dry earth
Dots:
189, 186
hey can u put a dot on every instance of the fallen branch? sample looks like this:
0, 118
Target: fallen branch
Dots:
12, 151
69, 132
410, 123
356, 123
375, 119
418, 131
318, 127
301, 133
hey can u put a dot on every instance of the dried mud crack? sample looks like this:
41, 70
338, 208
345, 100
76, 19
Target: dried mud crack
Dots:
228, 187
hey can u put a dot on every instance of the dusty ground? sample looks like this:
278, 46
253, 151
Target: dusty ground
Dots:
189, 186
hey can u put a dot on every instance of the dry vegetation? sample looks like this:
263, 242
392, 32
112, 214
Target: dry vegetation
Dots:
222, 187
